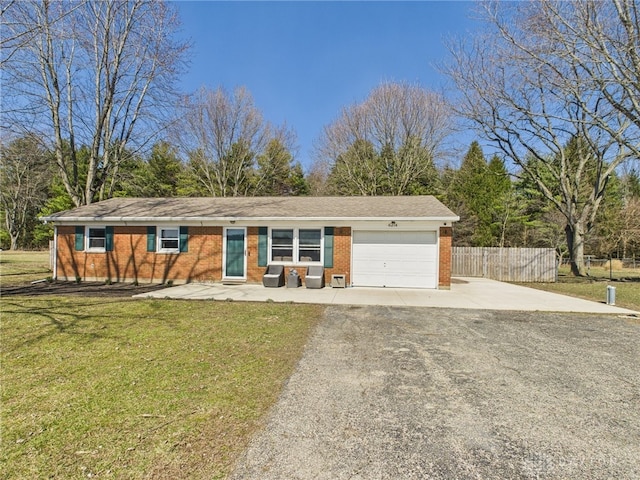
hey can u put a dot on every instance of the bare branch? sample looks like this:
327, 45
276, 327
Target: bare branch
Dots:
530, 85
387, 143
93, 74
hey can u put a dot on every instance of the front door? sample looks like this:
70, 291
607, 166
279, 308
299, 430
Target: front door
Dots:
234, 254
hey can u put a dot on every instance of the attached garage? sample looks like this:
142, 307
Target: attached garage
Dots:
395, 259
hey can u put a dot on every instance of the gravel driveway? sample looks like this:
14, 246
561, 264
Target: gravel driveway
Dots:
416, 393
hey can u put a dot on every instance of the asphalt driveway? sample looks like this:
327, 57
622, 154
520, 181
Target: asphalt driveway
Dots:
416, 393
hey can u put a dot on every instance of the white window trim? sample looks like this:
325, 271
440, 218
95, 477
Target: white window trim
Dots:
159, 248
296, 246
87, 239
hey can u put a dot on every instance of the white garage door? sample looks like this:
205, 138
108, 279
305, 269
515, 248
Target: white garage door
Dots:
395, 259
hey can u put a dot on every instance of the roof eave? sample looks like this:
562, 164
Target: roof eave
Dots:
61, 219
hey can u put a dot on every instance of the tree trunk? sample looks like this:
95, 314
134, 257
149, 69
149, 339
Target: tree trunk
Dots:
575, 243
15, 236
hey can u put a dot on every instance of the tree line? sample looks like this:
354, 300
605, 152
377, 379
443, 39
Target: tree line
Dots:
496, 207
91, 110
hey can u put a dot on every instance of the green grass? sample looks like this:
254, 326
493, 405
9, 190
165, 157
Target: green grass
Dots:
603, 272
627, 293
124, 388
19, 267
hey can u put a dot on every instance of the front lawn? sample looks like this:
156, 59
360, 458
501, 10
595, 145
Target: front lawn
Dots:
20, 267
627, 293
121, 388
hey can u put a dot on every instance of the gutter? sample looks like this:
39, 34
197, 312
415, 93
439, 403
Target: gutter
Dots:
62, 219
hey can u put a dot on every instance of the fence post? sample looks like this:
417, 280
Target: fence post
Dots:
484, 263
610, 267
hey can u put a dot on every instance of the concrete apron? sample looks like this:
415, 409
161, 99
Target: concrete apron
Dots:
471, 293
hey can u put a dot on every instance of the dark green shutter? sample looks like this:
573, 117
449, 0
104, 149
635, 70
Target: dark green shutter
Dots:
184, 239
79, 238
108, 239
151, 239
328, 247
263, 246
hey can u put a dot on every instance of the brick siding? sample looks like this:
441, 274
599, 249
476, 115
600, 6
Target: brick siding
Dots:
129, 261
444, 280
341, 257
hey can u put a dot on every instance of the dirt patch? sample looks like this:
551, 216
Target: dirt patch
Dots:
85, 289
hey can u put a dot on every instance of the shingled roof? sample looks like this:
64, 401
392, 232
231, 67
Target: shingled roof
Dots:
424, 207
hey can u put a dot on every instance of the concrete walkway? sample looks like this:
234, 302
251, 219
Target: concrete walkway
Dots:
471, 293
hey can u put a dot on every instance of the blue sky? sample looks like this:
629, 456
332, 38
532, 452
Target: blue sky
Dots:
304, 61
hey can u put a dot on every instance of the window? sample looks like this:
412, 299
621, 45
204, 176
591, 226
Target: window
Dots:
294, 245
309, 245
282, 245
169, 240
96, 238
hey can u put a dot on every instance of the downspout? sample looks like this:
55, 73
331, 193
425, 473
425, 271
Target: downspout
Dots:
55, 252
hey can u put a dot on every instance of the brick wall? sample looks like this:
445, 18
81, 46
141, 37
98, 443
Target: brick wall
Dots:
254, 272
444, 280
341, 254
341, 257
130, 261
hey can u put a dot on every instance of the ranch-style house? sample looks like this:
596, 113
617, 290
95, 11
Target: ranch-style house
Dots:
367, 241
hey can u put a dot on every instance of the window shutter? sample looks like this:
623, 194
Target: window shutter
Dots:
151, 239
328, 247
263, 246
79, 238
108, 239
184, 239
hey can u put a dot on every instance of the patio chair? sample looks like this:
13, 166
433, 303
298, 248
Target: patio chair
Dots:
314, 277
273, 276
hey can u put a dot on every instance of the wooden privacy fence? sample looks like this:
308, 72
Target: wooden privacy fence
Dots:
506, 264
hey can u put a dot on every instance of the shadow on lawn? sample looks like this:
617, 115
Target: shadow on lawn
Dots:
85, 289
87, 320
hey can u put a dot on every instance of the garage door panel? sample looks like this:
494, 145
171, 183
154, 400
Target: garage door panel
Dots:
406, 238
404, 281
395, 259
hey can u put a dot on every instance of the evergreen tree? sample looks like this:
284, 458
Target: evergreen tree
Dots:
58, 201
631, 183
478, 192
538, 226
357, 171
276, 174
504, 205
160, 175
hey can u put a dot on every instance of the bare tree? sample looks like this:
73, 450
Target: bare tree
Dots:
222, 134
629, 233
537, 104
621, 232
387, 142
24, 178
600, 40
95, 74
